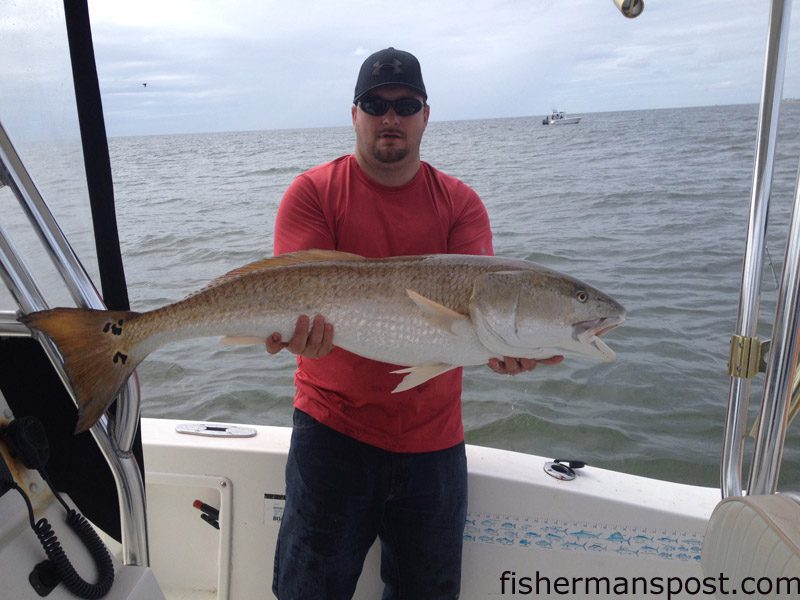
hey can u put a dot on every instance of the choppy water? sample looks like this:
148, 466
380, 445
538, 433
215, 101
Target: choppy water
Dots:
649, 206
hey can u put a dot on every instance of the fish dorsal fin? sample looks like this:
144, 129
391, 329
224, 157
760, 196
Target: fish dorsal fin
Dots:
292, 258
283, 260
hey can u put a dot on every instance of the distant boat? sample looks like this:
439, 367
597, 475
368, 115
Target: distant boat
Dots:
557, 118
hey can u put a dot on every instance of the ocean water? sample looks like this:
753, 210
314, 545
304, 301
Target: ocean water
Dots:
649, 206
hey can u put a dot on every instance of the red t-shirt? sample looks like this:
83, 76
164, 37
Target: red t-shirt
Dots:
335, 206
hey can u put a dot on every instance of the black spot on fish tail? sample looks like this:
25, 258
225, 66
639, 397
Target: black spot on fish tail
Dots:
87, 339
115, 328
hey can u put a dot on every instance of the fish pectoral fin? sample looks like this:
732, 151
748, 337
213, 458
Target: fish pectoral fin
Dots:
243, 340
440, 315
418, 375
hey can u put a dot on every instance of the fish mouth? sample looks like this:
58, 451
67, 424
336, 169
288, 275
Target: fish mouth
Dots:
589, 332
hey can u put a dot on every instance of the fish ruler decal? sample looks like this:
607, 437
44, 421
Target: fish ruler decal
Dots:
583, 536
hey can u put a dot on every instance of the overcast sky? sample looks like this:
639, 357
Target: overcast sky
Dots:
223, 65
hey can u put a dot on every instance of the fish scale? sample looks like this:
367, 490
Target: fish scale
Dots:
367, 302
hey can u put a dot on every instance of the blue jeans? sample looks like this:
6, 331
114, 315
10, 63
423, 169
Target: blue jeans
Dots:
342, 493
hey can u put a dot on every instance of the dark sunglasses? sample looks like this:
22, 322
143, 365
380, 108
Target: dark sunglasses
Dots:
403, 107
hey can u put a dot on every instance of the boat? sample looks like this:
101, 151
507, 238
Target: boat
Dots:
549, 526
558, 117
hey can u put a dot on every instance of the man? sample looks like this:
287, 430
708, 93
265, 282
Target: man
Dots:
365, 462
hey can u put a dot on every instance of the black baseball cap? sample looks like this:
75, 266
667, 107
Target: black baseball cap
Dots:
389, 67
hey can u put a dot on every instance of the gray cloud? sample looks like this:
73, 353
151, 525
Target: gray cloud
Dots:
262, 64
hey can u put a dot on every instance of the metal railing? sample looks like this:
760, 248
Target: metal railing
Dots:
774, 407
114, 436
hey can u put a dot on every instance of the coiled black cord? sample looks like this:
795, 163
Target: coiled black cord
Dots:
52, 548
27, 437
97, 549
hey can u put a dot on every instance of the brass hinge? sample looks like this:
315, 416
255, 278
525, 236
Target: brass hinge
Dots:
748, 356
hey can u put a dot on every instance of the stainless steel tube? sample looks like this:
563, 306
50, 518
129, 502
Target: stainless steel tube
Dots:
747, 321
782, 365
55, 243
71, 270
114, 439
10, 327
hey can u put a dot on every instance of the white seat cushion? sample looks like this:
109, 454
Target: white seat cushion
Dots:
754, 537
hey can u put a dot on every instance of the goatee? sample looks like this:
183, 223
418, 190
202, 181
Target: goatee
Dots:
390, 155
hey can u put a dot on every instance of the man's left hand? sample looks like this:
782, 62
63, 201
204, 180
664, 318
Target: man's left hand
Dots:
514, 366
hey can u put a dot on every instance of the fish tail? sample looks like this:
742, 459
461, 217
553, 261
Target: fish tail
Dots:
98, 350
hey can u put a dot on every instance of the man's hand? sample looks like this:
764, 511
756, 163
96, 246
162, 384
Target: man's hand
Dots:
515, 366
310, 339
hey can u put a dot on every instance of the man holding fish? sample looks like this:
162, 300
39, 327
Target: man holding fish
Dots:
364, 462
398, 256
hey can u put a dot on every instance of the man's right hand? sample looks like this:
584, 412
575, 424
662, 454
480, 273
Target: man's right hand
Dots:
310, 339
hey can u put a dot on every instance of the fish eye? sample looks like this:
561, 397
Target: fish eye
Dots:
581, 296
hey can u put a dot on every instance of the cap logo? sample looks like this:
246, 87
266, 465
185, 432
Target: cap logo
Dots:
395, 65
